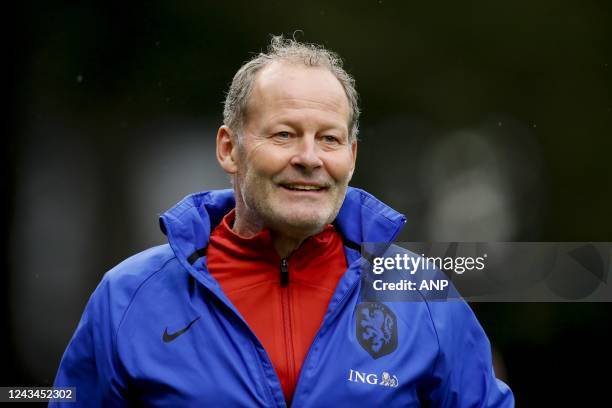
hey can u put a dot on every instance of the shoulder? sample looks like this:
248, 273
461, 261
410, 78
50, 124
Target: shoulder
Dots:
139, 267
132, 273
121, 285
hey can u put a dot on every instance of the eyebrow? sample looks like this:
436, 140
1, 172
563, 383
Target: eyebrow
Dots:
325, 126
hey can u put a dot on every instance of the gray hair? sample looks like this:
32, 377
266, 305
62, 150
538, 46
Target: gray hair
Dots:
286, 49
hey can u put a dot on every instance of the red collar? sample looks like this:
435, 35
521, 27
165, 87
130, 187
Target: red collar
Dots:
260, 247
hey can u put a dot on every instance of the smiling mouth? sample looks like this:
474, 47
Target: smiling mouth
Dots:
303, 187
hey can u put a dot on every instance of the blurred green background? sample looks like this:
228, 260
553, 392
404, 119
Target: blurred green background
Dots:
481, 121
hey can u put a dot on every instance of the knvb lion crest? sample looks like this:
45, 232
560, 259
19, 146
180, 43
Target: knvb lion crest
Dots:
376, 329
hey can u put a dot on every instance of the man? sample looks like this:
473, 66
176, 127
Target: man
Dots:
255, 301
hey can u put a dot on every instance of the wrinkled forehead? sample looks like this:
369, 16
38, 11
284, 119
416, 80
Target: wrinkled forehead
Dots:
286, 84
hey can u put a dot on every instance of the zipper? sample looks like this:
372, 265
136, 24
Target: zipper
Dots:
266, 386
218, 295
287, 323
341, 302
284, 273
332, 316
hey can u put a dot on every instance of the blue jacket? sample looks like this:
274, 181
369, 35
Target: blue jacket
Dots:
159, 331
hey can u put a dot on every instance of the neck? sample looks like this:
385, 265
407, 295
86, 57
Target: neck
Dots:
283, 244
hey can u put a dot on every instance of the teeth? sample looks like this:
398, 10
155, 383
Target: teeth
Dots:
300, 187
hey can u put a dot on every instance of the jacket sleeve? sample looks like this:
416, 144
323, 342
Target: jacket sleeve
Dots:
463, 374
90, 362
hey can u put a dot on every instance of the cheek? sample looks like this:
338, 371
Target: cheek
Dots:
339, 167
267, 162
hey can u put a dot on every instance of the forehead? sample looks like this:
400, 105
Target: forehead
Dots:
287, 85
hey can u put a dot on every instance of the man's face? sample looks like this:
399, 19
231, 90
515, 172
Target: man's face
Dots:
295, 159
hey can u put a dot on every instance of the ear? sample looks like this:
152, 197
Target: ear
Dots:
354, 157
227, 149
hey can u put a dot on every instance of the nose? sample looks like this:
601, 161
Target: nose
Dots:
307, 155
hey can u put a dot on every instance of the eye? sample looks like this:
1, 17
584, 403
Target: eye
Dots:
283, 135
330, 139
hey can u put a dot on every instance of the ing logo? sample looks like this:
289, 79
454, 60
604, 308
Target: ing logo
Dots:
385, 379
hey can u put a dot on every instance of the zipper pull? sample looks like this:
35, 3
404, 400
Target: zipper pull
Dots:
284, 272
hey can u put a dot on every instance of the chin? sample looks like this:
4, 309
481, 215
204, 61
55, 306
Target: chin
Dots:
305, 223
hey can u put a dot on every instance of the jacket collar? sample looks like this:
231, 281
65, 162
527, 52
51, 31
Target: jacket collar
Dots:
361, 219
